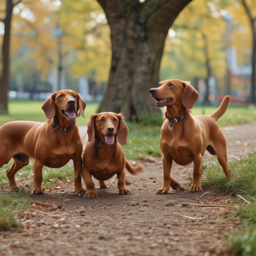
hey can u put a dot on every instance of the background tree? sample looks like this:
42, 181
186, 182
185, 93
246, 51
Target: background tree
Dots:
138, 33
244, 13
6, 9
197, 41
87, 34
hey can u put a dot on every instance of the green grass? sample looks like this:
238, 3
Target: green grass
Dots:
243, 176
143, 141
10, 204
31, 111
243, 183
49, 174
234, 114
244, 243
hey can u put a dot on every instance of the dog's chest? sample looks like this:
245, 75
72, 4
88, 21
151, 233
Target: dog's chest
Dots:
179, 152
59, 158
104, 169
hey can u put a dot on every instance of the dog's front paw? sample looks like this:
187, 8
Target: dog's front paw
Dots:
162, 191
80, 191
102, 185
196, 187
36, 191
90, 195
176, 185
124, 191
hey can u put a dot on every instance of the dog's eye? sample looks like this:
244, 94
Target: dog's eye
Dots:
115, 120
59, 96
171, 85
74, 96
102, 120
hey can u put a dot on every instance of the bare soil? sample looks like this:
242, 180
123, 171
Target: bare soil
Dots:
137, 224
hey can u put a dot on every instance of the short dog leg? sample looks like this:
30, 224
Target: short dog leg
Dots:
167, 165
80, 191
17, 165
197, 174
121, 184
223, 162
102, 184
91, 192
220, 148
36, 189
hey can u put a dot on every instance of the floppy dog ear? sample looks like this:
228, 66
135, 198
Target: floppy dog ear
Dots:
49, 107
91, 128
123, 130
189, 96
81, 104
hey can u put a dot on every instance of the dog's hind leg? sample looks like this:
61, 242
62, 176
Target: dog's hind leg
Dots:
19, 161
220, 149
222, 159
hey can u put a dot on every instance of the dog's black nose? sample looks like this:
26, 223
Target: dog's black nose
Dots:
110, 128
153, 90
71, 102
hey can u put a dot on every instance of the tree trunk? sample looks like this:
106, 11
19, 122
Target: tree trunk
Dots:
228, 87
253, 59
5, 61
208, 70
253, 79
138, 33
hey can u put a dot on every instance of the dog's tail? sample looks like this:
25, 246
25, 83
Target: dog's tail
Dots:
222, 108
139, 168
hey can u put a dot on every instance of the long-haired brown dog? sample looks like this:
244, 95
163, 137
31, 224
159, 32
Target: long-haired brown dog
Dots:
184, 138
103, 155
52, 143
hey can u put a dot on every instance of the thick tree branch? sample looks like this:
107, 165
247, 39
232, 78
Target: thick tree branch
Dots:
166, 14
17, 3
248, 11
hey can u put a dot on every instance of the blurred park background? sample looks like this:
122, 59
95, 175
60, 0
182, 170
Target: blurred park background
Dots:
113, 51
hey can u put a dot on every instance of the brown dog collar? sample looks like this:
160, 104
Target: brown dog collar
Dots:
174, 120
55, 126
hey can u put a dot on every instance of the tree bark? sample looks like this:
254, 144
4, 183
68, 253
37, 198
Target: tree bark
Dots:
253, 79
138, 33
208, 70
253, 58
5, 58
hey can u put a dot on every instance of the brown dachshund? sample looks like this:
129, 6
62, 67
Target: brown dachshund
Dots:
184, 138
103, 155
52, 143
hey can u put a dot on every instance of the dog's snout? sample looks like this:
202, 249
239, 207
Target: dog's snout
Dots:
110, 128
153, 90
71, 102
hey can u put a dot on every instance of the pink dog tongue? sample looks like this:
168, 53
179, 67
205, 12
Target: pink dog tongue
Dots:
71, 113
110, 139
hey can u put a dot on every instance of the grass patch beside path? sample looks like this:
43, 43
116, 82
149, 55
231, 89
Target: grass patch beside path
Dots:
10, 204
143, 141
243, 183
49, 174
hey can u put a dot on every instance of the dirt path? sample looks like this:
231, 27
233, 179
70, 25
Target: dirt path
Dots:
138, 224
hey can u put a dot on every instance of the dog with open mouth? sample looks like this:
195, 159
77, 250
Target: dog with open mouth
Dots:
184, 138
52, 143
103, 155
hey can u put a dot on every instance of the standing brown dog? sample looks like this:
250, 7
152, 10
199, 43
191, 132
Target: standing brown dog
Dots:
52, 143
184, 138
103, 155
